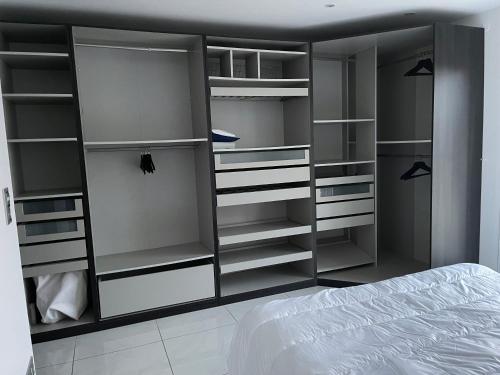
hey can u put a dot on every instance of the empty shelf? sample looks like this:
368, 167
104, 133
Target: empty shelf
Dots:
142, 259
260, 196
262, 278
86, 318
220, 151
335, 256
53, 268
257, 82
142, 144
331, 163
345, 121
256, 92
41, 140
35, 60
260, 231
263, 256
265, 53
37, 98
47, 194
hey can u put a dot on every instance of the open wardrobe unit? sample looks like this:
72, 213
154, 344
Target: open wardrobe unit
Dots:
397, 132
159, 173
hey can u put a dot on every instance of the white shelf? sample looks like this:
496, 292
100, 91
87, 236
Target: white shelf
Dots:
331, 163
335, 256
343, 180
260, 231
133, 48
86, 318
53, 268
35, 60
142, 144
47, 194
143, 259
262, 278
262, 256
265, 53
410, 141
37, 98
258, 92
42, 140
249, 149
346, 121
256, 82
260, 196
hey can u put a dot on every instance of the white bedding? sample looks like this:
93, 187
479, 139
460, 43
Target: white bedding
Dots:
441, 321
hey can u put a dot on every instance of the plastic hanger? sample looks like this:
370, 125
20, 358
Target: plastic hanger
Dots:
147, 164
408, 175
424, 67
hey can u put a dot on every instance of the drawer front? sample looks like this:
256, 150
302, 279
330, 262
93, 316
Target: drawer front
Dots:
233, 199
345, 222
150, 291
262, 177
345, 208
330, 181
51, 209
344, 192
260, 159
50, 231
53, 252
53, 268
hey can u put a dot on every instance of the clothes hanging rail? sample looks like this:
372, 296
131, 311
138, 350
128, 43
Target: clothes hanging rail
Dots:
404, 155
132, 48
418, 55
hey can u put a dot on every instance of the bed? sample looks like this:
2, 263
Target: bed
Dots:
440, 321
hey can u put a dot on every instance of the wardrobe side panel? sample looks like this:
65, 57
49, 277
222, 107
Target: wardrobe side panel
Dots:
457, 143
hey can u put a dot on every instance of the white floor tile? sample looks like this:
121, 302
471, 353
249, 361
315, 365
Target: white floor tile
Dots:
306, 291
193, 322
239, 309
115, 339
149, 359
54, 352
203, 353
64, 369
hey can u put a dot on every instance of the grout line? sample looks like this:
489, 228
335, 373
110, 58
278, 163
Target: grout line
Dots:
230, 313
74, 353
201, 331
165, 348
117, 351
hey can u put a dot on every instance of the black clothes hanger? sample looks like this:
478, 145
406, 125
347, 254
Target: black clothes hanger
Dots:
147, 164
409, 174
424, 67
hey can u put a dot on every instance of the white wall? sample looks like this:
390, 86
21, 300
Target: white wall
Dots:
490, 199
15, 343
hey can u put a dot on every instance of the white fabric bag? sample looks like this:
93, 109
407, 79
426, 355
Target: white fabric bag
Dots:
61, 295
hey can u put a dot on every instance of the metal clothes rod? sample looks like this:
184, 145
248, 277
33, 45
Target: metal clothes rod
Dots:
415, 56
147, 49
404, 156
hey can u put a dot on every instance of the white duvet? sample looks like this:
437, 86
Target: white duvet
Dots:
441, 321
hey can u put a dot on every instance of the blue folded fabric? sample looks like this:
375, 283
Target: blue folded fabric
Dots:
223, 136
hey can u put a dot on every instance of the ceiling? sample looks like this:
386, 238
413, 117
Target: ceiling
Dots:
287, 19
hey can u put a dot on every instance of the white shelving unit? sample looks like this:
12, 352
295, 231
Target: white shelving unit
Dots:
257, 92
332, 163
261, 256
143, 259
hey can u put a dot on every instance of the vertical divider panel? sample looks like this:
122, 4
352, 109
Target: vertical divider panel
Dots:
253, 65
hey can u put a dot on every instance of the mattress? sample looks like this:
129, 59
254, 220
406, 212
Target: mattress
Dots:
440, 321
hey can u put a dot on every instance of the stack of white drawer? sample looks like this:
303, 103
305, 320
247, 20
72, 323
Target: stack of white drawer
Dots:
52, 236
344, 202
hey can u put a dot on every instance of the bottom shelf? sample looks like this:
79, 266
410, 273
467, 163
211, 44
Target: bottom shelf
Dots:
261, 278
389, 265
336, 256
86, 318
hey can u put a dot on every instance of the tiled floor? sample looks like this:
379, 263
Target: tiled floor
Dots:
195, 343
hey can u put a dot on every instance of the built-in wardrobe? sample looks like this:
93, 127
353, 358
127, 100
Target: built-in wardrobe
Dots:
397, 145
116, 176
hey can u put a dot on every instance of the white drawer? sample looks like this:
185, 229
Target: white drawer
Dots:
345, 222
344, 192
330, 181
261, 177
260, 159
53, 268
153, 290
50, 231
232, 199
53, 252
344, 208
50, 209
